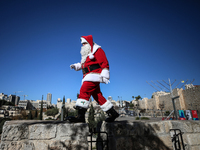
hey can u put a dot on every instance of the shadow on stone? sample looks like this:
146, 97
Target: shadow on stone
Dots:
124, 135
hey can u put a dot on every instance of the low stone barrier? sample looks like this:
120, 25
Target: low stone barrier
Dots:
148, 135
122, 135
44, 135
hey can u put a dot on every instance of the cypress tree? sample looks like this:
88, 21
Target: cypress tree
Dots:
64, 110
30, 117
91, 120
77, 95
36, 114
41, 109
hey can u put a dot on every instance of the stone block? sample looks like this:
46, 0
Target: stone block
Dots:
115, 128
185, 139
81, 129
166, 139
195, 147
42, 131
27, 145
167, 126
139, 129
71, 131
157, 127
195, 126
15, 132
184, 125
124, 143
64, 130
66, 145
193, 139
18, 145
41, 144
12, 145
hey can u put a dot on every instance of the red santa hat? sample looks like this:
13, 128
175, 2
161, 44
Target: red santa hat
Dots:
88, 39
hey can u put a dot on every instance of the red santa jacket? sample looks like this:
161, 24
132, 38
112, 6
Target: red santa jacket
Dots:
95, 58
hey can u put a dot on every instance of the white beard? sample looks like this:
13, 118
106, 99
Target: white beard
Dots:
85, 50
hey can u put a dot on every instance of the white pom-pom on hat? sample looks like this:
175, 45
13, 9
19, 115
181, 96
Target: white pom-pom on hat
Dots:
91, 56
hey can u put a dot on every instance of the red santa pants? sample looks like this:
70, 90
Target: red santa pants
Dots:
91, 88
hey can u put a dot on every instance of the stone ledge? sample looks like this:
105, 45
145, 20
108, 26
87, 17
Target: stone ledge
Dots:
140, 135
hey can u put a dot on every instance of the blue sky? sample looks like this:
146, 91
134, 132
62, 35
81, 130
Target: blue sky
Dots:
143, 40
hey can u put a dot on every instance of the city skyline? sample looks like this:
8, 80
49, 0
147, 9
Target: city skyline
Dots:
143, 41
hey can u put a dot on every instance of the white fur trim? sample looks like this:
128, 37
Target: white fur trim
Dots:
105, 73
91, 56
83, 40
93, 77
95, 47
82, 103
106, 106
77, 66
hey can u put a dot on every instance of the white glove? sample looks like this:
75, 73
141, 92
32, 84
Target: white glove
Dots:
72, 66
76, 66
104, 80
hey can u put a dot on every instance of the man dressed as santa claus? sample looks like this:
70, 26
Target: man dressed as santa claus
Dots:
95, 68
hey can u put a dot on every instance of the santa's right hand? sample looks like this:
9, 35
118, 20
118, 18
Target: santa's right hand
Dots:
72, 66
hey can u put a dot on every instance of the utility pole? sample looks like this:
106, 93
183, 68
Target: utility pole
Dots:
173, 98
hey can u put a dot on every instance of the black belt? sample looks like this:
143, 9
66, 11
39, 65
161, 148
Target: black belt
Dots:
90, 68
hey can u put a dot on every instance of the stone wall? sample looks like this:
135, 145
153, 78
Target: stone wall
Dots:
43, 135
188, 99
142, 104
122, 135
192, 98
144, 135
151, 103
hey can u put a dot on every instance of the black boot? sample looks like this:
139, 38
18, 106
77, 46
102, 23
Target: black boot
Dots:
112, 115
80, 117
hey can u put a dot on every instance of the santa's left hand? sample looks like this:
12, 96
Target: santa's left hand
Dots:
72, 66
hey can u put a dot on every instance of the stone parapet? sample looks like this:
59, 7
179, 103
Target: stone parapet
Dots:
146, 135
122, 135
44, 135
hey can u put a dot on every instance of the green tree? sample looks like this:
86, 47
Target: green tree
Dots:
36, 114
41, 109
72, 113
131, 105
4, 102
64, 110
161, 106
101, 117
167, 113
52, 112
138, 97
91, 120
133, 97
77, 95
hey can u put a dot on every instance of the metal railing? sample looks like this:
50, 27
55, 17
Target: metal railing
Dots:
100, 143
177, 139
